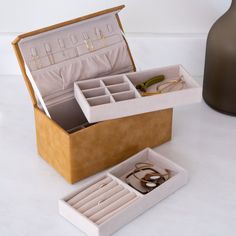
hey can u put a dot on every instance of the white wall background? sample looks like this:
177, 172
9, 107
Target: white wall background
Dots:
173, 30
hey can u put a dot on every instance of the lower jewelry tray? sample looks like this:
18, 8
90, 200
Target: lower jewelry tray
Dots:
106, 204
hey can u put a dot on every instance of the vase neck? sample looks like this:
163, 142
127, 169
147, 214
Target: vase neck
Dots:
233, 4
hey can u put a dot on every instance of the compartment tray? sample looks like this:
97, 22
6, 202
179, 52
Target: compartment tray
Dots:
123, 202
123, 99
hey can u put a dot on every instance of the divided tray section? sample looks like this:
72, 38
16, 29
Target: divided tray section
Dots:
106, 90
101, 200
116, 96
152, 161
171, 74
92, 92
120, 88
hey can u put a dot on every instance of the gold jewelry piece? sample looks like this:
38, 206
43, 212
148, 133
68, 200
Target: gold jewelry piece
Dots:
101, 201
148, 165
146, 94
171, 85
102, 185
166, 87
146, 84
143, 165
49, 53
150, 180
88, 42
98, 33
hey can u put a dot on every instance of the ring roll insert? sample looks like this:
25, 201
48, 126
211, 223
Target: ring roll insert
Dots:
106, 195
94, 194
89, 190
108, 200
104, 211
109, 208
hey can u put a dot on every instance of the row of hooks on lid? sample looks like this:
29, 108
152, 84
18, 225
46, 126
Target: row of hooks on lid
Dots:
77, 46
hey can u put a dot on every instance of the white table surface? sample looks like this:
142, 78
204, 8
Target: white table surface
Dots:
204, 142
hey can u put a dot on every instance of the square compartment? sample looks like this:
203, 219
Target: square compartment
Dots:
118, 88
90, 93
101, 100
89, 84
124, 96
114, 80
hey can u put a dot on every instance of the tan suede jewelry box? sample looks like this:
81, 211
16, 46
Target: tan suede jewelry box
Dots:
74, 152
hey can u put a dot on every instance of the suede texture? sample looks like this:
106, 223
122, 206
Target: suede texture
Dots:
86, 152
93, 149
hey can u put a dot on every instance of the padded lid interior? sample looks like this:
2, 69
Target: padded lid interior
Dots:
87, 49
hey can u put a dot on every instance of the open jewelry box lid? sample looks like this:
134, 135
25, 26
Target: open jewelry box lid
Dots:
88, 60
53, 58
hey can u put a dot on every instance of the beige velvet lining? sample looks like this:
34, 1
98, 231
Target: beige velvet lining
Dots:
84, 50
102, 199
61, 76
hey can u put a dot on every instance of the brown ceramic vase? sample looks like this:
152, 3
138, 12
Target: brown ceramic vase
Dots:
219, 86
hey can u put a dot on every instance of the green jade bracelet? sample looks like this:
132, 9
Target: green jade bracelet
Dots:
145, 85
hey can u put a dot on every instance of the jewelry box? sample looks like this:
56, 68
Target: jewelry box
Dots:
66, 141
55, 59
107, 203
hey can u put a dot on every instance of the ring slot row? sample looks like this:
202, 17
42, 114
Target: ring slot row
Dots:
108, 216
90, 205
106, 203
112, 207
89, 190
95, 194
102, 199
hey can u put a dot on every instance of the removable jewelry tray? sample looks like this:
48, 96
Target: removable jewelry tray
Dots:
55, 57
116, 96
106, 204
